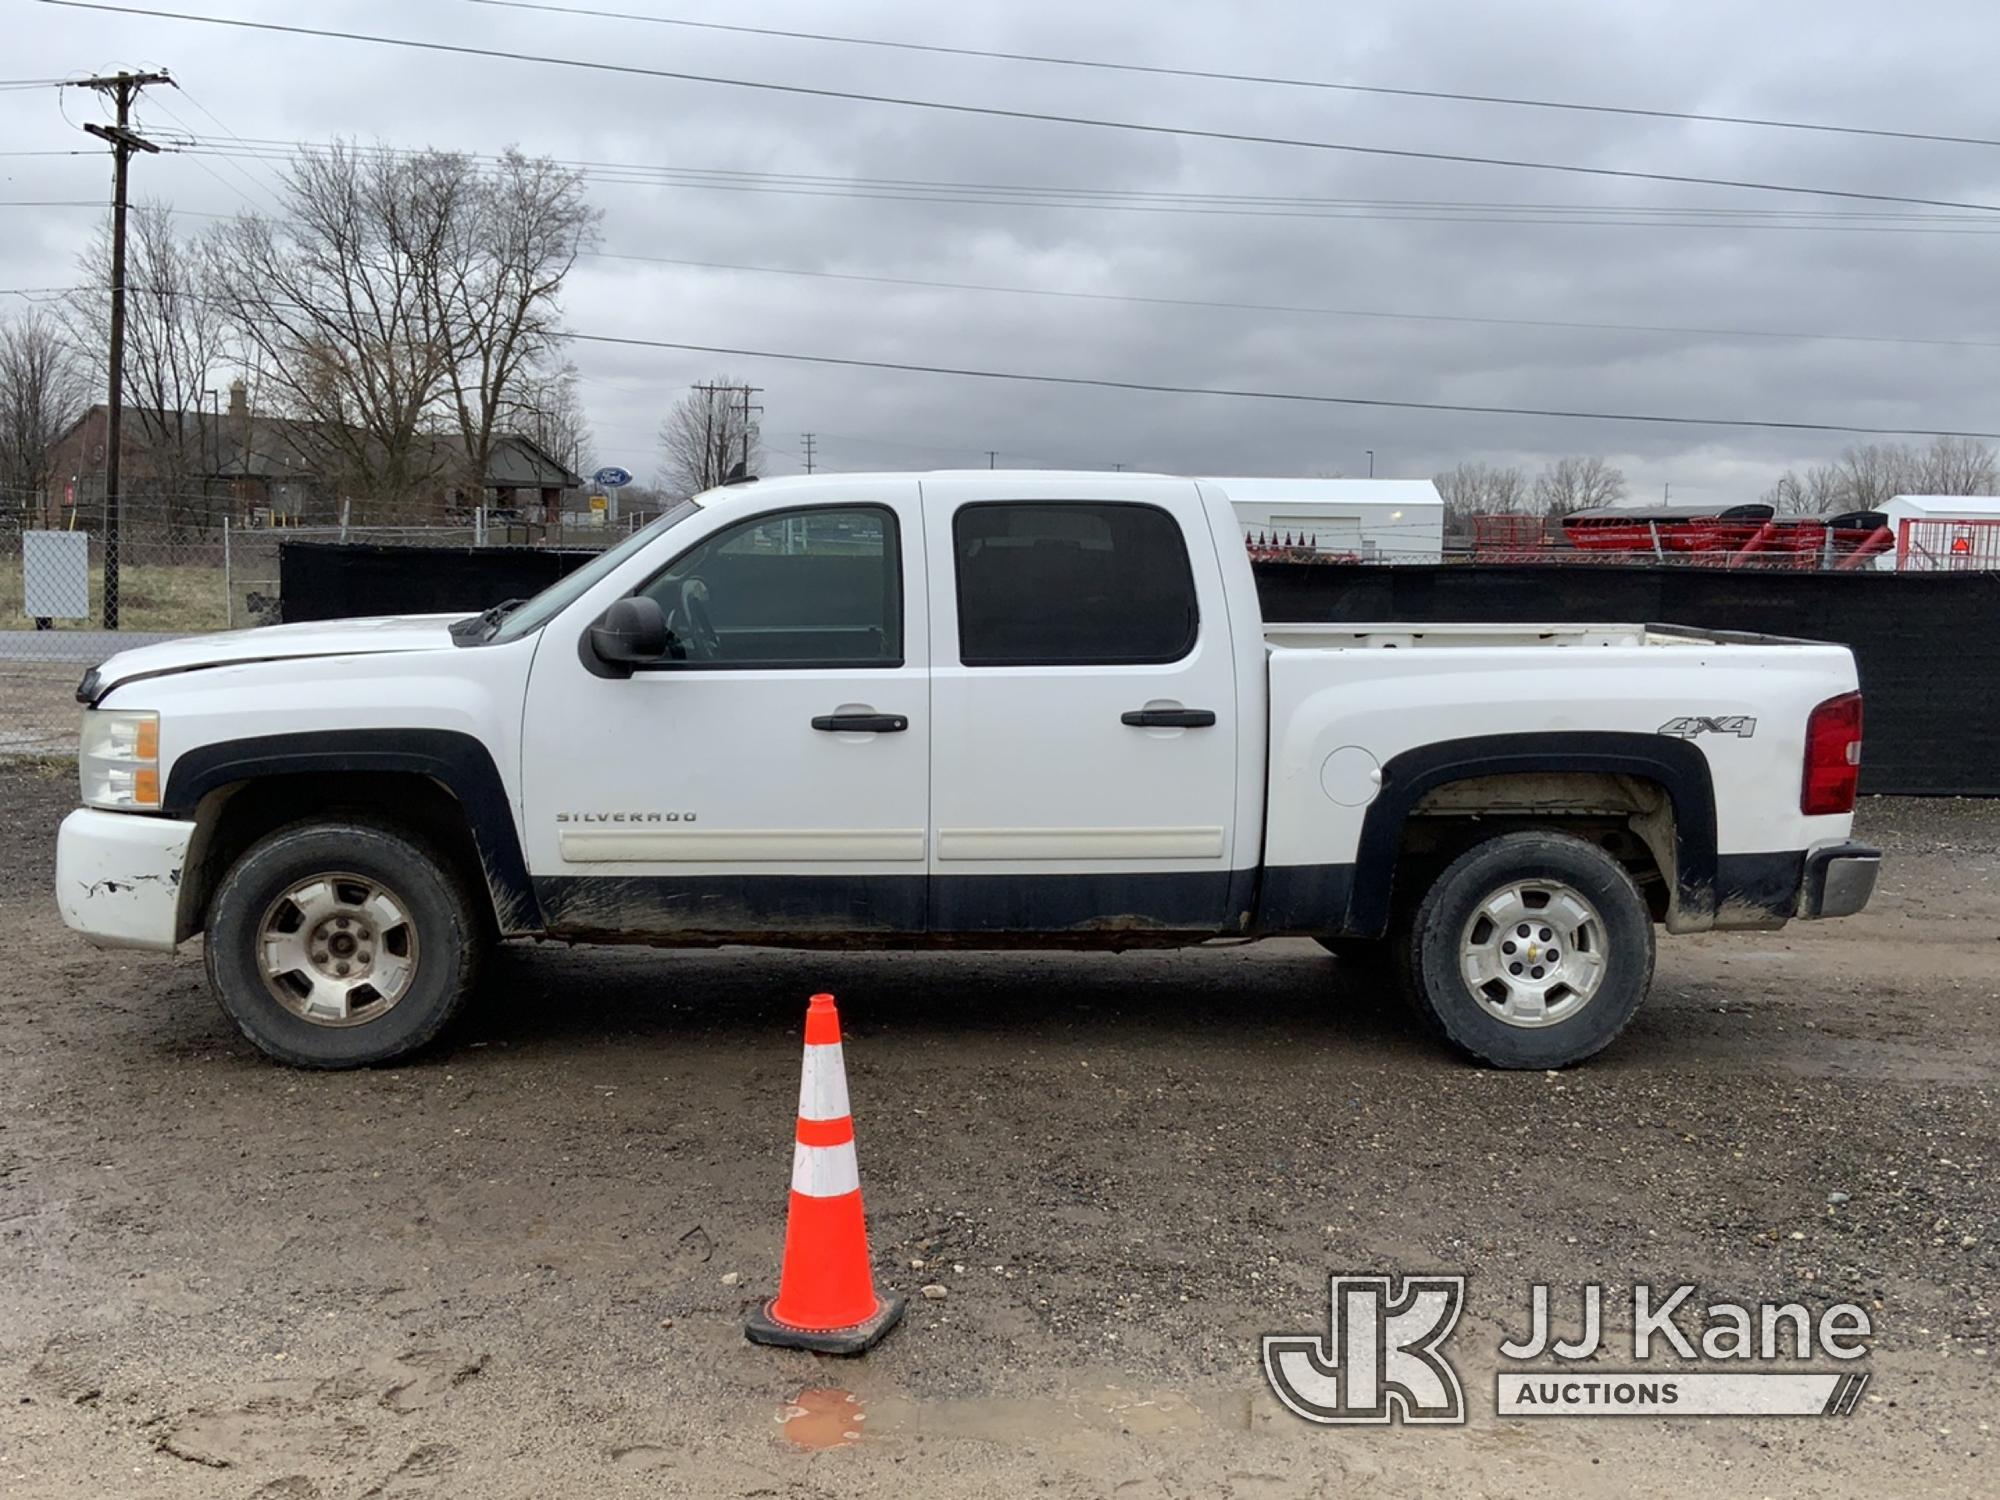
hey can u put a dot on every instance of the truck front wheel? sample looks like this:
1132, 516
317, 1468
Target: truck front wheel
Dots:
1532, 950
337, 944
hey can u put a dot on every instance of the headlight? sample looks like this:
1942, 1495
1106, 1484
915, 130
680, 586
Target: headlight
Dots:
119, 760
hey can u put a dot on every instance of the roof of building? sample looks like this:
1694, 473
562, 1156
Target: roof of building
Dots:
275, 448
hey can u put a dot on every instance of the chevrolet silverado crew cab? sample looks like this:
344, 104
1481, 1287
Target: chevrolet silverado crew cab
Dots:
956, 709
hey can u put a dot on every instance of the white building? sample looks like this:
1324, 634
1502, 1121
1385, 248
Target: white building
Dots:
1928, 546
1378, 520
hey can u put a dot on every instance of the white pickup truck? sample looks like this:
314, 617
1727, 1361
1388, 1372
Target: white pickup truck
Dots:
960, 710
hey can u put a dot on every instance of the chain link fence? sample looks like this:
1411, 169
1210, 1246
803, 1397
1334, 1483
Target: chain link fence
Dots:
183, 564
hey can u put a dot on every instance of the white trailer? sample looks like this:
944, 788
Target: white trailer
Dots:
1378, 520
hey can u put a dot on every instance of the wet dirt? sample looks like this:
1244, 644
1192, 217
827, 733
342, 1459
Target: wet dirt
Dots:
500, 1271
822, 1417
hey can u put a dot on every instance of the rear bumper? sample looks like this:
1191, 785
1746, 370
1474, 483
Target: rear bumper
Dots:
1839, 879
118, 877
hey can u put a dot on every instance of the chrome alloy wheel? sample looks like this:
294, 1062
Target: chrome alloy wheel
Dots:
1533, 952
338, 949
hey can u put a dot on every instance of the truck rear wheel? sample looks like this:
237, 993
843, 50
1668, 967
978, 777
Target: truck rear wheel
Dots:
338, 944
1532, 950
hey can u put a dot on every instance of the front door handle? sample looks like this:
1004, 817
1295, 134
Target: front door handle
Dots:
865, 723
1169, 718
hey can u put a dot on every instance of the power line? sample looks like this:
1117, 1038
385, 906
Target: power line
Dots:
196, 156
995, 112
1575, 325
278, 148
1239, 393
1420, 211
1158, 388
1430, 211
1233, 393
1162, 71
1305, 310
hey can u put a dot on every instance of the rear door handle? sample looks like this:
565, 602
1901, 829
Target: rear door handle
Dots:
1169, 718
865, 723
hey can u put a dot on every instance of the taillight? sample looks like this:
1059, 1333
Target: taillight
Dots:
1833, 756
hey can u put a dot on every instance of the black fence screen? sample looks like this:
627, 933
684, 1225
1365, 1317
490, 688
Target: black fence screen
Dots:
1927, 644
342, 581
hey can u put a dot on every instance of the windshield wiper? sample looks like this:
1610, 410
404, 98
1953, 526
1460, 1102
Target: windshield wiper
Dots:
483, 624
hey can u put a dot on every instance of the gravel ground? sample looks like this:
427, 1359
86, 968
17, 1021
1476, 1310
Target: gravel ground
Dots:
520, 1267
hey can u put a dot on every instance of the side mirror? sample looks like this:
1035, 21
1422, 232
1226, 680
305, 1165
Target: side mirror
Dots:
631, 633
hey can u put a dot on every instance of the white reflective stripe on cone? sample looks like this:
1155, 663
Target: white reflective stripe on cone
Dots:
823, 1084
826, 1171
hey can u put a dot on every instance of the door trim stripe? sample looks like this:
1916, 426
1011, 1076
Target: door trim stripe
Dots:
740, 845
1079, 843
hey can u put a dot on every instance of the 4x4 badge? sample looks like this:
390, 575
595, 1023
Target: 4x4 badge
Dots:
1687, 726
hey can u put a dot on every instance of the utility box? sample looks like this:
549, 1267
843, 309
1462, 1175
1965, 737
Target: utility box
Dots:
55, 575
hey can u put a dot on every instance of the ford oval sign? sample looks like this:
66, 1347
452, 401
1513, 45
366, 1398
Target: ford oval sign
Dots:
610, 479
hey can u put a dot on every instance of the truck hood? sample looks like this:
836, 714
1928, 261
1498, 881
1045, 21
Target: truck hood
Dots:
270, 643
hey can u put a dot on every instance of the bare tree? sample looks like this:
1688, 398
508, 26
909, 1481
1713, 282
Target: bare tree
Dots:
552, 415
42, 391
1820, 491
1868, 476
1874, 473
1580, 483
175, 352
338, 302
1480, 489
706, 435
1956, 466
518, 232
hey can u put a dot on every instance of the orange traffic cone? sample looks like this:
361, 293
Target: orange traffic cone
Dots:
826, 1298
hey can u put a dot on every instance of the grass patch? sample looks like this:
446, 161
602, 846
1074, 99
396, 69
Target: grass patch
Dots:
151, 596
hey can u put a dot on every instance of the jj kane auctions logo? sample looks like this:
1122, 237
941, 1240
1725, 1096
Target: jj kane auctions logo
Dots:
1382, 1359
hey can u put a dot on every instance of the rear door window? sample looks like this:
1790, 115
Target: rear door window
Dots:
1054, 583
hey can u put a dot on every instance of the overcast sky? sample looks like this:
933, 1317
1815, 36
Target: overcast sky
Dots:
1926, 68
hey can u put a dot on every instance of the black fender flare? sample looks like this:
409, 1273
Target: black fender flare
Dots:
455, 760
1678, 767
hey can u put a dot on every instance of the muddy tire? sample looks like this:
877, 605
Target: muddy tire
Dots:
342, 943
1531, 950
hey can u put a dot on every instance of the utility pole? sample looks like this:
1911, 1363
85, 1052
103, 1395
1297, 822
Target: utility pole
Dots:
807, 438
715, 445
708, 444
122, 88
992, 457
746, 392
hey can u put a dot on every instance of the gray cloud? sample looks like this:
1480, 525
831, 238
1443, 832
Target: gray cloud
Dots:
1925, 71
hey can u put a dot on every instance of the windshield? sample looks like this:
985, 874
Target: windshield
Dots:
566, 590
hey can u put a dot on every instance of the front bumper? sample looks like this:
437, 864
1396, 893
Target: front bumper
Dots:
1839, 879
118, 877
